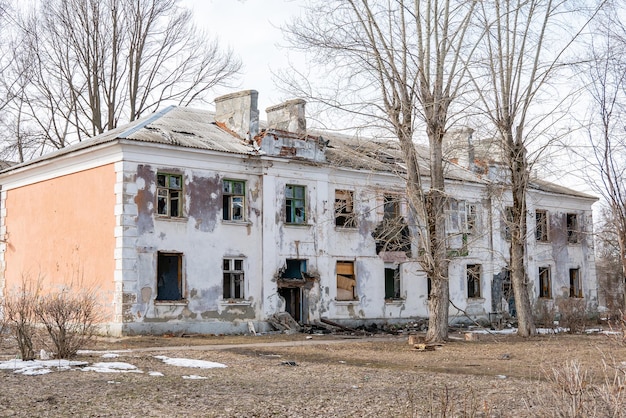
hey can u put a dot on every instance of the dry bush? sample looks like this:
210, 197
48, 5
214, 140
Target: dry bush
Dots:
573, 314
545, 313
618, 327
19, 312
69, 318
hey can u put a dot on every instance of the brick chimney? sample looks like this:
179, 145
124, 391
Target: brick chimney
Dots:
239, 113
288, 116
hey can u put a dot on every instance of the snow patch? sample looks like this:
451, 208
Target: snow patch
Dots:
112, 367
194, 377
184, 362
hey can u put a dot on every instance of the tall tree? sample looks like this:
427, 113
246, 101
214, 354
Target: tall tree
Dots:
398, 63
523, 49
604, 74
96, 63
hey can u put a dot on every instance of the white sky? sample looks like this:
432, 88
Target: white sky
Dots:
251, 28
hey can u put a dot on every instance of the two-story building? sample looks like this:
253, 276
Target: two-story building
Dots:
190, 220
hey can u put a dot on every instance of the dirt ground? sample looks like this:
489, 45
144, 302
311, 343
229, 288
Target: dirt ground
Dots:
333, 376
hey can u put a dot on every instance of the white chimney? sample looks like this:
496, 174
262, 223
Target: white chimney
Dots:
239, 113
288, 116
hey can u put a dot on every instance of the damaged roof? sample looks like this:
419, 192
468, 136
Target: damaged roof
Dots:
194, 128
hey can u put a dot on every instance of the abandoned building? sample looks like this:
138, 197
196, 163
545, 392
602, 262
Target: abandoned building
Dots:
198, 221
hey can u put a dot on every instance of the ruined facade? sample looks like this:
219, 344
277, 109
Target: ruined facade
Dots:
195, 221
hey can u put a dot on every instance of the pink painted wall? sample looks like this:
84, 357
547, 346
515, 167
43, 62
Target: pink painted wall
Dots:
62, 230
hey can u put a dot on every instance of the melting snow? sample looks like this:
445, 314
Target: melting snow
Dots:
194, 377
110, 355
112, 367
155, 374
184, 362
38, 367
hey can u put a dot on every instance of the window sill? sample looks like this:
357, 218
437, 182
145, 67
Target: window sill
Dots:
398, 301
171, 218
347, 302
476, 300
545, 297
304, 225
182, 302
235, 302
238, 223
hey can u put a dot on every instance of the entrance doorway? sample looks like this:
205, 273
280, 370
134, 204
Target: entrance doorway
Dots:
293, 297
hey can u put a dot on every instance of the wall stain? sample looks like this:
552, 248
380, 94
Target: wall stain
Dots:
145, 199
205, 201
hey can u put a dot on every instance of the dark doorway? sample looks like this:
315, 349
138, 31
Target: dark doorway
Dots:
169, 277
292, 297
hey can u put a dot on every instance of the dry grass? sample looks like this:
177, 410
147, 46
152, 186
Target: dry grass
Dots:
495, 376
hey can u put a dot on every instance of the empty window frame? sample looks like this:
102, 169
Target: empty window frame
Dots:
461, 217
575, 284
391, 207
295, 204
392, 283
169, 277
344, 208
573, 232
169, 194
541, 225
346, 280
234, 200
545, 285
233, 287
473, 280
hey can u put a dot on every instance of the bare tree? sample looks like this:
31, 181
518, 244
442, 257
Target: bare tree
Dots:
520, 55
605, 80
94, 63
398, 63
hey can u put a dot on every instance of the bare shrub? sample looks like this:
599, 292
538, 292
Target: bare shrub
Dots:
573, 314
544, 312
19, 312
618, 328
69, 318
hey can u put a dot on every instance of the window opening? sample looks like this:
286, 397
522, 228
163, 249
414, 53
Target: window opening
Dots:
234, 200
392, 283
169, 194
295, 204
169, 276
391, 207
344, 208
346, 280
233, 278
544, 283
572, 228
575, 285
541, 225
473, 280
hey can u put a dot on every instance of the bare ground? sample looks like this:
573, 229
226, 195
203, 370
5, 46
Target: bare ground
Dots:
333, 376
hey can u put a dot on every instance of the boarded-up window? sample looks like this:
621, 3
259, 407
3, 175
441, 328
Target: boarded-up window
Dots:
344, 208
545, 283
169, 277
346, 280
575, 284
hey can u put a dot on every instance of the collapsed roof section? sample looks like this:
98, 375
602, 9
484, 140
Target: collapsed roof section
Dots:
235, 128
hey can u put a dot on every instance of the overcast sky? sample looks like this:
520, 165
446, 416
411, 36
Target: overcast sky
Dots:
251, 28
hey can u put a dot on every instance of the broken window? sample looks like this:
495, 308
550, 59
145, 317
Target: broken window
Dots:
169, 276
392, 283
541, 225
508, 221
233, 278
575, 284
344, 208
169, 194
391, 207
234, 198
295, 204
572, 228
346, 280
544, 283
461, 217
473, 280
294, 269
